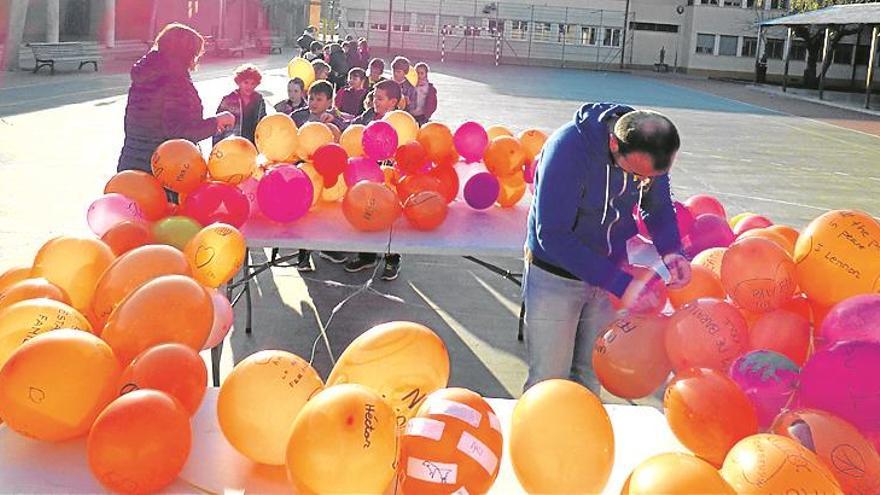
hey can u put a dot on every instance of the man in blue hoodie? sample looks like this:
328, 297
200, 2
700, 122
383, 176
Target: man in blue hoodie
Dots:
591, 174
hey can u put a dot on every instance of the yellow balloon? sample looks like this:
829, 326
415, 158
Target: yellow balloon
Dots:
352, 140
737, 218
55, 385
401, 360
74, 264
260, 400
412, 76
13, 276
405, 124
343, 441
765, 464
335, 193
312, 136
25, 320
276, 137
317, 181
301, 68
215, 254
495, 131
558, 428
676, 474
232, 160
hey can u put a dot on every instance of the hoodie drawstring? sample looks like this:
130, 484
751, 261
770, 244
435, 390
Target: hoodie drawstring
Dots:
607, 192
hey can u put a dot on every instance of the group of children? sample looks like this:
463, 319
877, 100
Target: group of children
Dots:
367, 96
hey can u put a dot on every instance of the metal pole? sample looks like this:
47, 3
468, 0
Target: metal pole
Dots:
872, 57
600, 36
788, 34
390, 9
852, 77
531, 29
758, 51
625, 30
564, 36
824, 61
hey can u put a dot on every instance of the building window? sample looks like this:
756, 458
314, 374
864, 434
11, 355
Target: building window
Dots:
355, 18
449, 20
519, 30
798, 50
727, 45
779, 4
705, 44
653, 26
732, 3
425, 23
612, 37
589, 35
750, 3
862, 55
775, 48
708, 2
566, 33
378, 20
542, 31
842, 54
496, 26
749, 47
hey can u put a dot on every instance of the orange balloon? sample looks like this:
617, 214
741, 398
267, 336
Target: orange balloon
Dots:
711, 259
179, 165
170, 308
765, 233
452, 445
132, 270
370, 207
838, 256
448, 159
532, 141
708, 412
14, 275
140, 443
127, 235
142, 188
174, 369
425, 210
436, 138
316, 179
630, 356
334, 193
504, 156
790, 233
74, 264
232, 160
25, 320
351, 140
706, 333
411, 184
559, 427
216, 254
676, 474
448, 181
53, 387
758, 275
495, 131
784, 332
511, 191
337, 134
344, 425
704, 283
312, 136
769, 464
276, 137
850, 457
32, 288
404, 124
259, 401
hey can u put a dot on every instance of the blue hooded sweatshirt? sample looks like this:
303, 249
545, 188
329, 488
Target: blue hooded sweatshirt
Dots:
581, 216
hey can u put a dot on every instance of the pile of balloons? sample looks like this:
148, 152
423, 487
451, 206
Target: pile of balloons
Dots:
769, 356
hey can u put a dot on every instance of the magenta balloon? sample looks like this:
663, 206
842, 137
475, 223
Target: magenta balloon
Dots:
856, 318
470, 141
751, 222
223, 318
683, 216
529, 171
362, 168
216, 202
379, 140
249, 188
768, 379
111, 209
843, 380
481, 190
708, 231
285, 193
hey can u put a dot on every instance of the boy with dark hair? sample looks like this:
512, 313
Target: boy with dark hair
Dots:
426, 96
296, 97
244, 103
314, 52
375, 74
399, 69
322, 70
350, 99
320, 108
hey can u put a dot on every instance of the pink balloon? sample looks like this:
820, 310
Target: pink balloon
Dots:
707, 232
683, 217
481, 190
111, 209
379, 140
768, 379
856, 318
362, 168
702, 204
843, 381
751, 222
529, 171
285, 193
216, 202
249, 188
223, 318
470, 141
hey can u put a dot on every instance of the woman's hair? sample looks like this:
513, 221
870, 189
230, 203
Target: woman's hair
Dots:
246, 72
181, 44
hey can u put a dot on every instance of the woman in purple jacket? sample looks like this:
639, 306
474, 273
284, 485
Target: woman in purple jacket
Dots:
163, 103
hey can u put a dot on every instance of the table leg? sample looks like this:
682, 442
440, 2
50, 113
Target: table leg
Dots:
247, 290
522, 320
216, 352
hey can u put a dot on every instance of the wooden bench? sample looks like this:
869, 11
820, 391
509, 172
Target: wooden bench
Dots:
229, 48
48, 54
270, 44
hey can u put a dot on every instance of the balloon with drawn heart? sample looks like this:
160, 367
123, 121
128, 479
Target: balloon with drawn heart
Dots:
215, 254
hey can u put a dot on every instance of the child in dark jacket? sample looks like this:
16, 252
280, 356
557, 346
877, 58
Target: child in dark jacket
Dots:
320, 108
426, 96
296, 97
244, 103
399, 69
350, 99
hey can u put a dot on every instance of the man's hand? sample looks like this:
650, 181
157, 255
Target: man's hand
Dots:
679, 270
225, 120
641, 295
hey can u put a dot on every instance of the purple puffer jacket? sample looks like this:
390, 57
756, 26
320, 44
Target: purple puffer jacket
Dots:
162, 104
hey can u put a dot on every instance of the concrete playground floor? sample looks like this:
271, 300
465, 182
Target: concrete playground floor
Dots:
788, 159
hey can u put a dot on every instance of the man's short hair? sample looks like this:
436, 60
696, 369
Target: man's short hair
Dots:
648, 132
316, 45
318, 64
357, 72
321, 87
377, 62
391, 89
400, 63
